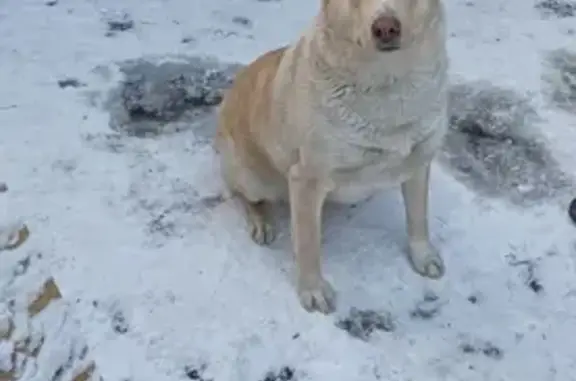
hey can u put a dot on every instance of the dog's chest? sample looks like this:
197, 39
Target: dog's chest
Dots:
368, 132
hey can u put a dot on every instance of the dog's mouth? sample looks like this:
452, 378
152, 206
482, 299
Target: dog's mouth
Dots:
390, 47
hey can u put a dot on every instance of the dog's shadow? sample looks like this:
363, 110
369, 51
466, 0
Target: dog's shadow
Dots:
380, 215
357, 240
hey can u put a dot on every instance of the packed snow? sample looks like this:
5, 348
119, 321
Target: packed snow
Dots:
107, 110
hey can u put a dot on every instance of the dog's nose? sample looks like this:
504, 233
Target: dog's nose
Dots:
386, 29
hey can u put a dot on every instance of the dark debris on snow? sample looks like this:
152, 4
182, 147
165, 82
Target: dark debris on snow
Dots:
119, 323
558, 8
196, 373
70, 82
285, 373
360, 324
243, 21
118, 22
530, 278
486, 348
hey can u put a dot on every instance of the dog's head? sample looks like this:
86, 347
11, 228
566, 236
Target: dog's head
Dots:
383, 25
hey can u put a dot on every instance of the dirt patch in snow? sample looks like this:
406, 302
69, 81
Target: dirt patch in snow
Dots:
560, 79
360, 324
556, 8
166, 97
494, 147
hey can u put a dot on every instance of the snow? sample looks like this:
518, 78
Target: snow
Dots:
196, 299
38, 338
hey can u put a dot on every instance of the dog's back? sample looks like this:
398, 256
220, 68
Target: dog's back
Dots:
247, 103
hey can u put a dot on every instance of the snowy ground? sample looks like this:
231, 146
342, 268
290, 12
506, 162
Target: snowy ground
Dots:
166, 282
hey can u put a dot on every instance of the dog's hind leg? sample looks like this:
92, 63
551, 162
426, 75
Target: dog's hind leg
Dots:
258, 219
250, 191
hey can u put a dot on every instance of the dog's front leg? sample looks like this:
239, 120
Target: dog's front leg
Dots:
423, 256
307, 195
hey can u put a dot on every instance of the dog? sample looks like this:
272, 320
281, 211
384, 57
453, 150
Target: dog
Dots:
356, 104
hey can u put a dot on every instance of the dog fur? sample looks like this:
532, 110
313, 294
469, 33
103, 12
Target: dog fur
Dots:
331, 117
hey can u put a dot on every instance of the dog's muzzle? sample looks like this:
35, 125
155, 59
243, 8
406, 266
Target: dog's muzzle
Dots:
386, 32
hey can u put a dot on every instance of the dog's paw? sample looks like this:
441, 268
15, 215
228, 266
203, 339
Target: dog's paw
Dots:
262, 232
317, 295
426, 260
